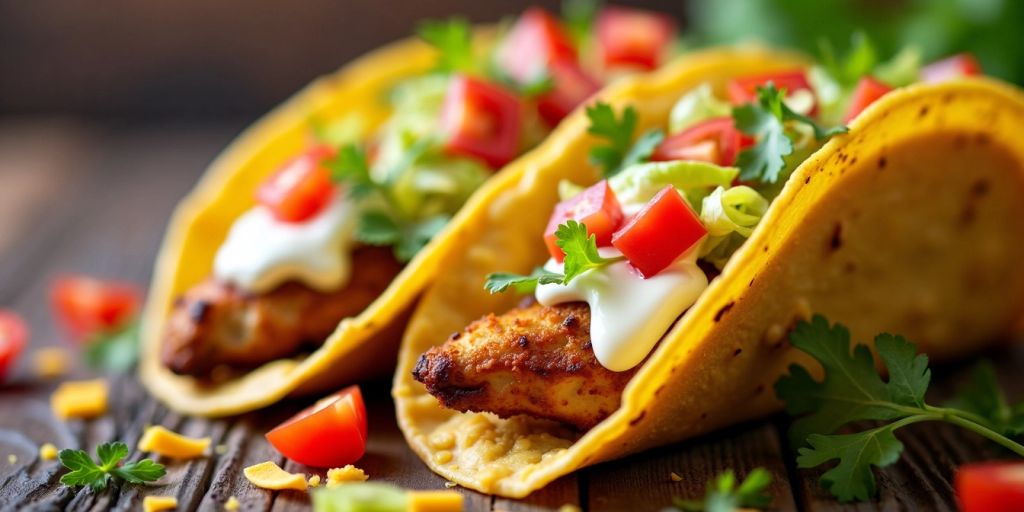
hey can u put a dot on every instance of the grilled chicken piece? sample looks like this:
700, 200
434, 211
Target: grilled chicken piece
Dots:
533, 360
216, 324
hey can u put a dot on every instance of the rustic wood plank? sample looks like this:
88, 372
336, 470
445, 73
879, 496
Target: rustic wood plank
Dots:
561, 492
644, 482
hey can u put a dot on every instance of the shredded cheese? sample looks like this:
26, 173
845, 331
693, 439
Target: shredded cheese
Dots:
80, 399
232, 504
344, 475
50, 362
435, 501
156, 503
48, 451
314, 481
268, 475
159, 440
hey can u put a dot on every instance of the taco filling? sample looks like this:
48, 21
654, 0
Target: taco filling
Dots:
337, 223
630, 254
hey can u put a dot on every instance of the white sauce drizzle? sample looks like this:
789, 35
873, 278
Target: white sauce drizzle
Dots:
262, 252
628, 314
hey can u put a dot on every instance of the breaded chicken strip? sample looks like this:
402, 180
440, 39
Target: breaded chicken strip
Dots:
216, 324
533, 360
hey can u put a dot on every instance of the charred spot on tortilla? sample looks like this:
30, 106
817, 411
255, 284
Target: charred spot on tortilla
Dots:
923, 112
882, 162
724, 309
836, 242
633, 422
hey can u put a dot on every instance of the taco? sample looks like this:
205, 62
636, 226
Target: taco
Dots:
658, 280
293, 264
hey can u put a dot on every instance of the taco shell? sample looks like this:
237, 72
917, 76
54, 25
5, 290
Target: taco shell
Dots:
910, 223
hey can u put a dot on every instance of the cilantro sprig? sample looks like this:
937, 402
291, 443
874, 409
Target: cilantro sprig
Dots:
581, 255
85, 471
853, 390
453, 39
723, 495
765, 121
114, 351
619, 151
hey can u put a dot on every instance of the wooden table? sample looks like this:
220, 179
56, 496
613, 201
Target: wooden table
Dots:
95, 199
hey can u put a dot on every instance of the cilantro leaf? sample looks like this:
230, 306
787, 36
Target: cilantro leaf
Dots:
580, 250
851, 479
643, 148
617, 132
84, 471
377, 228
579, 18
859, 61
453, 39
981, 396
350, 167
498, 282
115, 351
418, 234
723, 495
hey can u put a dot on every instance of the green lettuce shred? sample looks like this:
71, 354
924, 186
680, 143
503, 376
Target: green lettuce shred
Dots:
360, 497
638, 183
730, 216
695, 106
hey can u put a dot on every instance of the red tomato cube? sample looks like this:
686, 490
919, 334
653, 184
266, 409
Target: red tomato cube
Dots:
596, 207
744, 90
634, 37
13, 337
535, 41
659, 233
87, 306
571, 86
330, 433
957, 66
991, 487
715, 140
481, 120
868, 90
301, 188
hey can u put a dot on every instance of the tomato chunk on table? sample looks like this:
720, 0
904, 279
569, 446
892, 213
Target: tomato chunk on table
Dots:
659, 233
301, 188
13, 337
330, 433
715, 140
87, 306
991, 487
634, 37
481, 120
596, 207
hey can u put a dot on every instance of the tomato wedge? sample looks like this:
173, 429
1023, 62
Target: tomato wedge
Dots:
481, 120
87, 306
330, 433
596, 207
634, 37
13, 337
957, 66
744, 90
716, 140
301, 188
659, 233
867, 91
991, 487
570, 86
534, 42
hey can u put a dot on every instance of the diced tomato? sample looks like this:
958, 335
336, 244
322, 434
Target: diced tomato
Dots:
957, 66
659, 233
330, 433
744, 90
88, 306
534, 42
13, 337
596, 207
991, 487
570, 86
634, 37
301, 188
715, 140
481, 120
868, 90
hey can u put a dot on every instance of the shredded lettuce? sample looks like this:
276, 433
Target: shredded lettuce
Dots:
436, 185
730, 216
568, 190
638, 183
360, 497
695, 106
902, 69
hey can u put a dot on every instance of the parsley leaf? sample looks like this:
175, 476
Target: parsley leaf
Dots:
453, 38
115, 351
723, 495
349, 166
580, 256
84, 471
377, 228
643, 148
982, 396
853, 390
618, 132
580, 250
765, 120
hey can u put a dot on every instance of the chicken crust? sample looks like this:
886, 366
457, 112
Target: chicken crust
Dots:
535, 360
216, 324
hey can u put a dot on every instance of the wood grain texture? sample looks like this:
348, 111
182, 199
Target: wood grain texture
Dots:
106, 218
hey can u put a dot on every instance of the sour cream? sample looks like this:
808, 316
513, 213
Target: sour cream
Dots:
628, 314
262, 252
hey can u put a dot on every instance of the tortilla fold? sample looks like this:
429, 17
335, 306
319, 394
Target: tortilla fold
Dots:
910, 223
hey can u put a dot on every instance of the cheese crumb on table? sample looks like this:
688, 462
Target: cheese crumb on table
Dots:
48, 451
156, 503
159, 440
435, 501
314, 481
12, 459
50, 362
343, 475
268, 475
232, 504
80, 399
675, 477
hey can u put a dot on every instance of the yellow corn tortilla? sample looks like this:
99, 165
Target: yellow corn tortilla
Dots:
911, 224
362, 346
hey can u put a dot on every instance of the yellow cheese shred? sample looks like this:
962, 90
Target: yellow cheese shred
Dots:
50, 362
48, 451
268, 475
344, 475
232, 504
155, 503
80, 399
159, 440
435, 501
